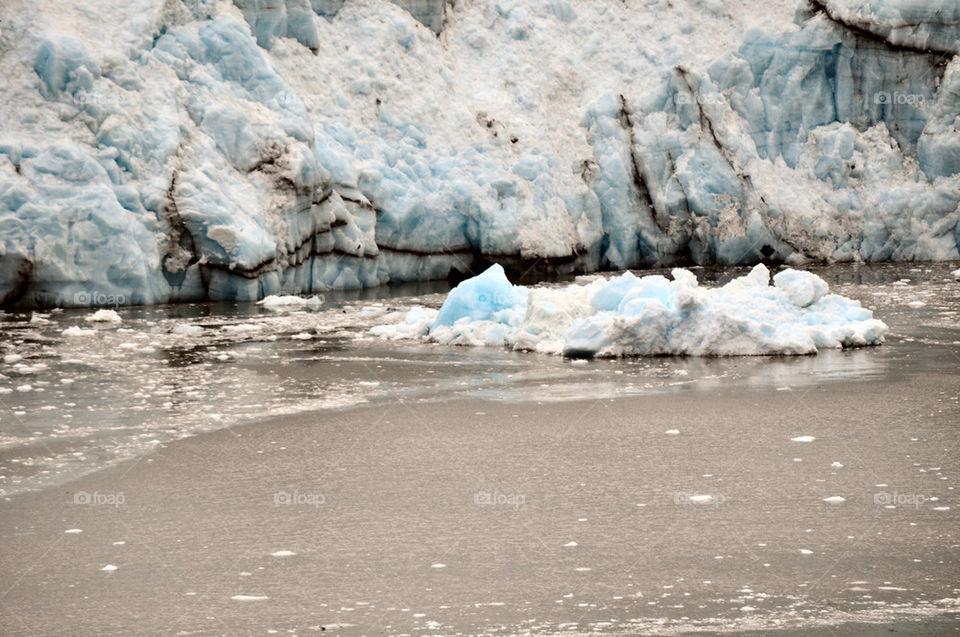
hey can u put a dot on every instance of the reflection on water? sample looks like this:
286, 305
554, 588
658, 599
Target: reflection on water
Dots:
70, 404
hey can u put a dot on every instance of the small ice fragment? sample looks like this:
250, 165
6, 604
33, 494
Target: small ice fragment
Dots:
701, 499
672, 432
941, 508
836, 465
74, 531
109, 568
104, 316
249, 598
806, 551
835, 499
274, 302
571, 544
747, 609
77, 331
12, 358
916, 303
302, 336
119, 543
186, 330
803, 439
438, 565
283, 553
583, 569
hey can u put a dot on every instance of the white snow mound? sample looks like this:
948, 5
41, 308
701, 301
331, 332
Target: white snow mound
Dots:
646, 316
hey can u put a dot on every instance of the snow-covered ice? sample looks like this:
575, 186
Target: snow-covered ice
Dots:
646, 316
174, 150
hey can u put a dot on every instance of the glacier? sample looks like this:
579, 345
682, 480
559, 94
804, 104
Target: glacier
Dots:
645, 316
181, 150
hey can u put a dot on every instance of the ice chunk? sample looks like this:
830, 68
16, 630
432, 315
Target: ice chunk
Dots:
803, 288
274, 302
486, 297
78, 331
643, 316
104, 316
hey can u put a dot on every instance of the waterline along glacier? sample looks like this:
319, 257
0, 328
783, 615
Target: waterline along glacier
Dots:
181, 150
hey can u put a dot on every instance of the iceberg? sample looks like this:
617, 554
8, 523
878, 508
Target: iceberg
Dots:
646, 316
184, 150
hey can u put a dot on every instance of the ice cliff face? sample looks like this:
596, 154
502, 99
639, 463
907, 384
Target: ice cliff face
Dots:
175, 150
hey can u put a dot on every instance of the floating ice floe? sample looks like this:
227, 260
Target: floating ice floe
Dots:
186, 329
646, 316
290, 302
78, 331
104, 316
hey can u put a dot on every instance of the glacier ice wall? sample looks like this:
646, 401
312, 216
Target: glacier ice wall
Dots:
174, 150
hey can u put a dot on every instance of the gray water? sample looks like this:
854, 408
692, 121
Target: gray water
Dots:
477, 491
72, 405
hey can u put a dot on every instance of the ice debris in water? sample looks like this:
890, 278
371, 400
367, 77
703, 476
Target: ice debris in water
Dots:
104, 316
646, 316
274, 302
78, 331
186, 330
